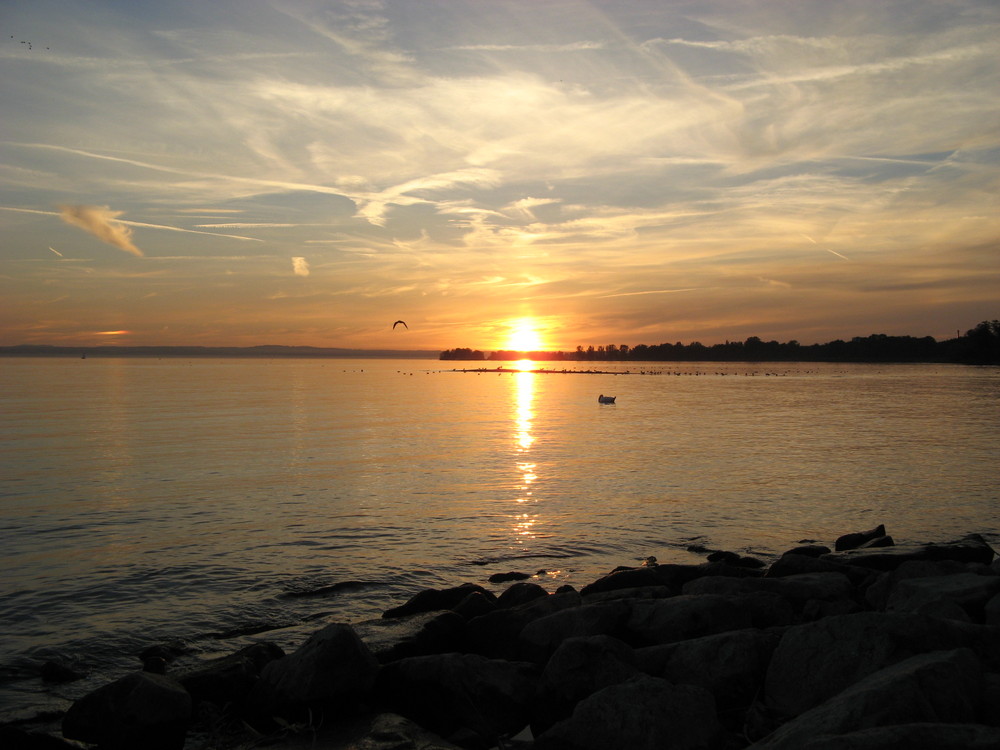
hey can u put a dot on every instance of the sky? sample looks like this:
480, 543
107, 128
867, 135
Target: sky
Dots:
533, 174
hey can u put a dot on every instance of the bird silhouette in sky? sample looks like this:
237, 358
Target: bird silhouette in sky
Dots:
398, 322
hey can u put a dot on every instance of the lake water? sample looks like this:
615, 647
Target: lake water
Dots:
152, 500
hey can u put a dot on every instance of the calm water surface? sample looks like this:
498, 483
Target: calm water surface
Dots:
148, 500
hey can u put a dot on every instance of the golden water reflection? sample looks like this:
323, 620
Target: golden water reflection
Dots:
525, 519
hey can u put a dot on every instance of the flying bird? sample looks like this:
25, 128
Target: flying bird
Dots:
398, 322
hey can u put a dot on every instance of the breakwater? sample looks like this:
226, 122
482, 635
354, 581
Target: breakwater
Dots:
863, 642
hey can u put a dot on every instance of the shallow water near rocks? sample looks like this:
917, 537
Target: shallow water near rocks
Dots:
193, 501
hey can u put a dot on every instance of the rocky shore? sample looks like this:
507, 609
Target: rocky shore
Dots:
868, 645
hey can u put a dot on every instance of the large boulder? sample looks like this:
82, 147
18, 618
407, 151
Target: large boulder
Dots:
466, 698
858, 538
969, 591
429, 600
766, 609
791, 564
496, 634
577, 669
942, 686
798, 589
640, 592
474, 605
815, 661
419, 634
970, 549
230, 679
628, 578
139, 710
808, 550
643, 713
991, 612
673, 575
521, 593
922, 736
540, 638
330, 673
732, 665
655, 621
878, 591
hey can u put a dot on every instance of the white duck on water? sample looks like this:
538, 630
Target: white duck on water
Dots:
602, 399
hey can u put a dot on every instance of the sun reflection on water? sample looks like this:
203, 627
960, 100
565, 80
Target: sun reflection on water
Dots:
524, 414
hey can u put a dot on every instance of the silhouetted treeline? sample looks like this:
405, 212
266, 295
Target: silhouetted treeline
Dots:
979, 345
464, 354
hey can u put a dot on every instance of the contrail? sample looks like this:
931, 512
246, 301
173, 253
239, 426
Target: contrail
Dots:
825, 248
56, 251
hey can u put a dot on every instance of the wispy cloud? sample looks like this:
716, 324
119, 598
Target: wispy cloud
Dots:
101, 222
300, 267
582, 46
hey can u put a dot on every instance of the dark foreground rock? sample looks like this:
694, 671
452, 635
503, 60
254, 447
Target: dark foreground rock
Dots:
139, 710
868, 648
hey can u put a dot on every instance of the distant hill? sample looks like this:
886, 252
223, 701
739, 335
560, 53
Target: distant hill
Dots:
268, 351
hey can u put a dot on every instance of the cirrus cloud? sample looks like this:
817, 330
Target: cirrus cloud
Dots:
100, 221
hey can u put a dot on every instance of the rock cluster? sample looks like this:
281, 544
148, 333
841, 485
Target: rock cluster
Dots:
871, 645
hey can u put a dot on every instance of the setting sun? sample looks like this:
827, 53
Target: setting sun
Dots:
524, 336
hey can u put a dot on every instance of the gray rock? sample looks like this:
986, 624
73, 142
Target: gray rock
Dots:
991, 612
643, 592
798, 589
521, 593
808, 550
969, 591
791, 564
732, 666
474, 605
879, 541
817, 660
877, 593
971, 549
333, 669
655, 621
429, 600
943, 686
382, 635
856, 539
766, 609
230, 679
643, 713
991, 700
627, 579
668, 574
540, 638
139, 710
497, 634
923, 736
511, 576
466, 698
577, 669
